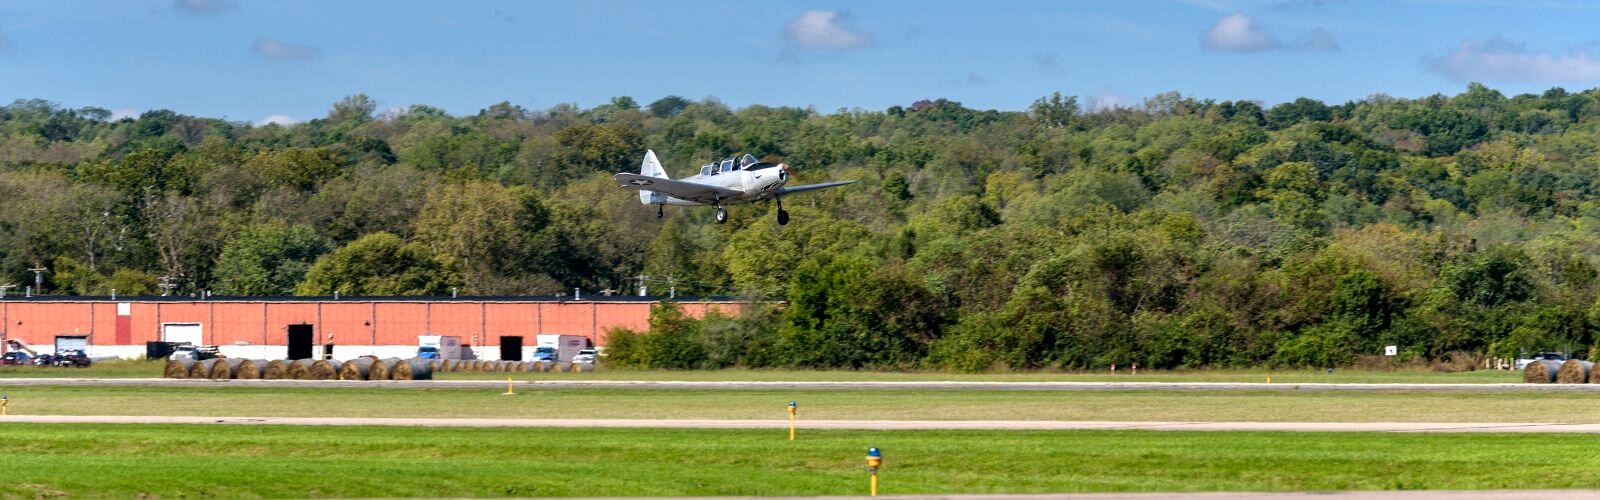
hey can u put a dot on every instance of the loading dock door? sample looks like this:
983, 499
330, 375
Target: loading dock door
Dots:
182, 332
65, 342
511, 348
300, 341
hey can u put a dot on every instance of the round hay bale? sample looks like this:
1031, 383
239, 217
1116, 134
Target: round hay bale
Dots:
518, 367
486, 366
201, 369
473, 365
223, 369
300, 369
541, 366
355, 369
411, 369
1574, 371
1541, 371
433, 364
249, 369
381, 369
276, 369
448, 365
178, 368
561, 367
325, 369
582, 367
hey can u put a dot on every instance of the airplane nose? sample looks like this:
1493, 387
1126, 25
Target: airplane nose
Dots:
783, 171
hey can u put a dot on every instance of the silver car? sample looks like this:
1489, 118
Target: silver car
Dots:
585, 356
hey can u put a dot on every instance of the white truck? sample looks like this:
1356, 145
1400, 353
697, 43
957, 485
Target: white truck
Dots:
559, 348
439, 347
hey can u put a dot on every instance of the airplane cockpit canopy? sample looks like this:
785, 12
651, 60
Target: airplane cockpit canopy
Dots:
727, 165
747, 161
708, 169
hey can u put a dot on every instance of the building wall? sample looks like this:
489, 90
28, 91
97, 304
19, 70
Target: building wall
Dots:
260, 328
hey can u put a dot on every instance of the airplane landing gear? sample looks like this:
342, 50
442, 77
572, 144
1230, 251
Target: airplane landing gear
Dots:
661, 211
722, 215
783, 215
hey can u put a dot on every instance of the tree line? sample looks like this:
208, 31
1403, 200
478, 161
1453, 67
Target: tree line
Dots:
1181, 232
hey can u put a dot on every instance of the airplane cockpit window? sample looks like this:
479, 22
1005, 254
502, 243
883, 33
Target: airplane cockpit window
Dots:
727, 165
747, 161
708, 169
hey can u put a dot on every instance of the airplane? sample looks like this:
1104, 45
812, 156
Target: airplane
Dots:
731, 181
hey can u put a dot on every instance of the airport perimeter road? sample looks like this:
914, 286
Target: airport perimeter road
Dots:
808, 386
1320, 495
884, 425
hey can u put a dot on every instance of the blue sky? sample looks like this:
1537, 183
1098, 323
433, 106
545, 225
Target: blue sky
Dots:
290, 59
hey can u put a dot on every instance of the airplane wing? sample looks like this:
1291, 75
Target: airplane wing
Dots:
702, 193
809, 187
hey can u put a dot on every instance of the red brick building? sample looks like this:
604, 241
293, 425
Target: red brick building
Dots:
265, 327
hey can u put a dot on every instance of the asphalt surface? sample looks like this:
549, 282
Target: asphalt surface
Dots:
1401, 427
808, 386
1331, 495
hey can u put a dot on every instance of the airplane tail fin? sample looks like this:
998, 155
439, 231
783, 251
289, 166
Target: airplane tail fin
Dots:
652, 168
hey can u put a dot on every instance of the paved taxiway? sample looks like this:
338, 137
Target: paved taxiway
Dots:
886, 425
806, 386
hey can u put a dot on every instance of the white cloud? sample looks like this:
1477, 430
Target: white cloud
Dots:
1320, 39
1108, 100
1500, 59
825, 30
118, 114
284, 120
278, 50
203, 8
1238, 33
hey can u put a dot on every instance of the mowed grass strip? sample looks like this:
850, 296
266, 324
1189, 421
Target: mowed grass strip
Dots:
1195, 406
1410, 375
288, 461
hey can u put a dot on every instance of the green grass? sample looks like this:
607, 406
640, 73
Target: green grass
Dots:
1202, 406
114, 368
1407, 375
152, 368
287, 461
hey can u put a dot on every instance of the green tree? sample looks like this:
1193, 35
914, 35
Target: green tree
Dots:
267, 259
379, 264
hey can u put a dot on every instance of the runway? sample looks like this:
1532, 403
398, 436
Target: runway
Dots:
805, 386
878, 425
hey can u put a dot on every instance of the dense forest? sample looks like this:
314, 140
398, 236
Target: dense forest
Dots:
1179, 233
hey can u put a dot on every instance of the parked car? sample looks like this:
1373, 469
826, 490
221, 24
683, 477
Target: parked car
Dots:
585, 356
15, 358
73, 357
1552, 356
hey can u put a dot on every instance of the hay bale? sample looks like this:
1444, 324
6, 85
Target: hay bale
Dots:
325, 369
486, 366
582, 367
300, 369
355, 369
433, 364
448, 365
202, 369
1574, 371
249, 369
541, 366
178, 368
276, 369
1541, 371
223, 369
411, 369
518, 367
381, 368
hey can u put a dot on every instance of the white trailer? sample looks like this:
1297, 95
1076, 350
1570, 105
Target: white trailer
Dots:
559, 348
439, 346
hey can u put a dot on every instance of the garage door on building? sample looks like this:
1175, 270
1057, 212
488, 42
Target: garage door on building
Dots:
67, 342
181, 332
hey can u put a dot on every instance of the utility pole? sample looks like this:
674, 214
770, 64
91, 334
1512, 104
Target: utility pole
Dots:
166, 284
38, 279
642, 290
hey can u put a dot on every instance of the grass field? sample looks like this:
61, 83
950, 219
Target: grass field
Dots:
1197, 406
152, 368
1278, 376
286, 461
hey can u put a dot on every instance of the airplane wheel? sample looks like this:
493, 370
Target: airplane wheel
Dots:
722, 215
660, 213
783, 217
